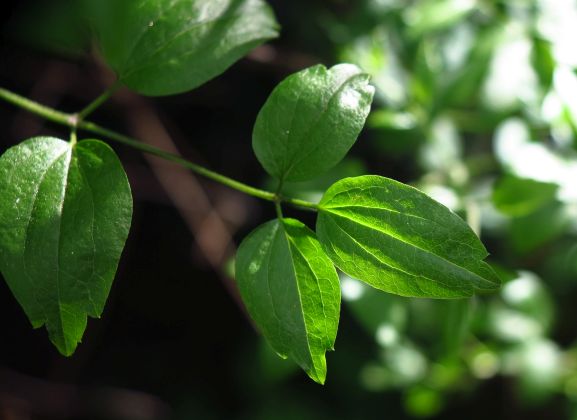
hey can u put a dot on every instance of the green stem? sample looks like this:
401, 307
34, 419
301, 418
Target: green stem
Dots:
38, 109
201, 170
303, 204
73, 121
278, 209
73, 138
98, 101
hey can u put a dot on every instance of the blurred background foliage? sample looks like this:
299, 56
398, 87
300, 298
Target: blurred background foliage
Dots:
476, 105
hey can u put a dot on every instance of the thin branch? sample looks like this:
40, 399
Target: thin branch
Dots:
72, 120
98, 101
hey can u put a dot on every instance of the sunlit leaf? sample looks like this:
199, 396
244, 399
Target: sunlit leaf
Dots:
399, 240
163, 47
311, 120
434, 15
543, 61
291, 290
64, 218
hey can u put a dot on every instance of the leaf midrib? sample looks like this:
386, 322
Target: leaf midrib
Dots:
473, 274
386, 190
310, 354
393, 267
59, 298
332, 209
316, 278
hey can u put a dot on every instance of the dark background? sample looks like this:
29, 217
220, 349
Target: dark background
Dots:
174, 341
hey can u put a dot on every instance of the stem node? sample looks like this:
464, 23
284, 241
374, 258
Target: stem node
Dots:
73, 120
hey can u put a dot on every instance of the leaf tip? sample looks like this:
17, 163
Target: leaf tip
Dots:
65, 346
318, 377
317, 371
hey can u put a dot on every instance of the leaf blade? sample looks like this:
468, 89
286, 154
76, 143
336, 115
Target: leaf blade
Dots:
399, 240
311, 120
282, 270
60, 234
165, 47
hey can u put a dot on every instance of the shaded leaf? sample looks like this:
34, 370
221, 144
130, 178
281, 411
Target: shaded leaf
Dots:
163, 47
311, 120
64, 218
399, 240
458, 317
291, 290
539, 228
519, 197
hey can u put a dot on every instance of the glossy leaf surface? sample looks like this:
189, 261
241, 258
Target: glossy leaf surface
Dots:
163, 47
311, 120
291, 290
64, 218
399, 240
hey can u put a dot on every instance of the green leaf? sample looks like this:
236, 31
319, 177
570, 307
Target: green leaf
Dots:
399, 240
163, 47
529, 232
311, 120
291, 290
520, 197
436, 15
64, 218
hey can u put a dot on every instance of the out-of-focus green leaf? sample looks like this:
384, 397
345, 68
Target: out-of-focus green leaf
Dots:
543, 62
164, 47
375, 54
423, 402
464, 89
527, 294
443, 149
311, 120
519, 197
64, 218
383, 315
426, 76
511, 82
536, 229
457, 325
395, 133
399, 240
539, 366
291, 290
393, 120
273, 368
406, 364
434, 15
